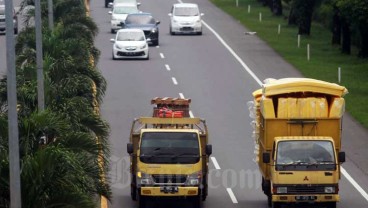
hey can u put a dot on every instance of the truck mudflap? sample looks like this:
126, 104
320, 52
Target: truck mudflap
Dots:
308, 198
168, 191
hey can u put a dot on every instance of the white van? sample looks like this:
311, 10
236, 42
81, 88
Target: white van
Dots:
185, 18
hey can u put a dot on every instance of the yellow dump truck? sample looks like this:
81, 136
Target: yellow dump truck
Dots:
169, 154
297, 132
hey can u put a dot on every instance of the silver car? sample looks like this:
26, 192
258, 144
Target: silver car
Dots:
2, 20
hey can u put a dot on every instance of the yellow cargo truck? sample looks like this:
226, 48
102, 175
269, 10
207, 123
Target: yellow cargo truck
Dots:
169, 154
297, 132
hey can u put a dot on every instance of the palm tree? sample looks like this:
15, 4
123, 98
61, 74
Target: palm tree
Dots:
59, 152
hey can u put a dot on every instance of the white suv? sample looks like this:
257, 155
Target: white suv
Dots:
185, 18
119, 13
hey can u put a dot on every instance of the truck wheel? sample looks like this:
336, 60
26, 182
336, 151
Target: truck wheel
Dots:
276, 205
142, 202
331, 205
269, 200
196, 202
133, 190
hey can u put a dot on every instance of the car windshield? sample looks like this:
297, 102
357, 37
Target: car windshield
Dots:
186, 11
140, 20
305, 155
125, 10
169, 148
130, 36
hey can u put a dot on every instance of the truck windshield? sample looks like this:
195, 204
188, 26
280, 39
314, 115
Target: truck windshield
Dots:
169, 148
305, 155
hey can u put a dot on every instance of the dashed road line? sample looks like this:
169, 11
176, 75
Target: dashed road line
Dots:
167, 67
232, 195
174, 81
215, 163
181, 95
162, 55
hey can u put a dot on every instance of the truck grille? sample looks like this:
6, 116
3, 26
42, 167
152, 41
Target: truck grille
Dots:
299, 189
170, 179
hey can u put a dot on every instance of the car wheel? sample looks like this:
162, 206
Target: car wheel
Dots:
171, 32
15, 30
147, 58
112, 31
155, 43
199, 33
113, 56
106, 3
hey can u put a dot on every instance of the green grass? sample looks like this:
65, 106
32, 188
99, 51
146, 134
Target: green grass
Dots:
324, 58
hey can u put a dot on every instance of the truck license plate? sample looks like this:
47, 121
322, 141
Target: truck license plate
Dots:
169, 189
305, 198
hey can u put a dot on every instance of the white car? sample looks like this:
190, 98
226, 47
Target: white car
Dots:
130, 44
185, 18
119, 14
113, 3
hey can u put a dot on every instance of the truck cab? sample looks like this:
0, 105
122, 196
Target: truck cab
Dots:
169, 156
297, 132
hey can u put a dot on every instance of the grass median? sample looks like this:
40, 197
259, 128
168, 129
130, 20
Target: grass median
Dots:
325, 59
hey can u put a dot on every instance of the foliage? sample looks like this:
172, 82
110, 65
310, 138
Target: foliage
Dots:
59, 149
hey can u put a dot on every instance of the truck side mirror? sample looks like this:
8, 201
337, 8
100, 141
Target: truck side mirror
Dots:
130, 149
266, 157
341, 157
208, 149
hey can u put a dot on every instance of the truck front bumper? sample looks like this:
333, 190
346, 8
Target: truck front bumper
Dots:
307, 198
169, 192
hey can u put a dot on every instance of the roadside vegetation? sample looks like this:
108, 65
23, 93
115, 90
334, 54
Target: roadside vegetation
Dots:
330, 49
63, 149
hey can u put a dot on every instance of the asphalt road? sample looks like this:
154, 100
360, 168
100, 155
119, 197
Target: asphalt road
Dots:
219, 85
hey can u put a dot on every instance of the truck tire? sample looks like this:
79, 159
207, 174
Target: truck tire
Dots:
142, 202
276, 205
269, 200
196, 202
133, 189
331, 205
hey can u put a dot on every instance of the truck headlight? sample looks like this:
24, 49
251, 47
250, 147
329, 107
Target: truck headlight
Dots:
194, 179
144, 179
330, 189
281, 190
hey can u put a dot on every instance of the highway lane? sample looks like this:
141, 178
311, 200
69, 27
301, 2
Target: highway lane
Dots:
206, 72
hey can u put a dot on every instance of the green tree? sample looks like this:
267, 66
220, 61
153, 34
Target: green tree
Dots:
355, 12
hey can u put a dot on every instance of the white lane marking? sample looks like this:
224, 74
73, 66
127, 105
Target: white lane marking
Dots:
157, 46
247, 69
174, 81
232, 196
343, 171
215, 163
167, 67
181, 95
191, 114
354, 183
162, 55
